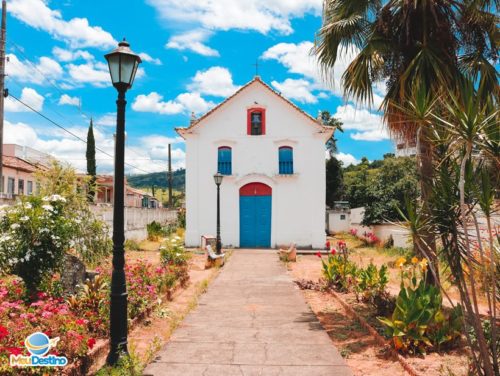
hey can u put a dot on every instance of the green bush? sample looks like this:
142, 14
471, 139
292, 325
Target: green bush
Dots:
132, 245
172, 252
339, 273
371, 288
418, 322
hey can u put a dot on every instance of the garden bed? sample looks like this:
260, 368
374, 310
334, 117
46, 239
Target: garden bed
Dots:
362, 353
81, 321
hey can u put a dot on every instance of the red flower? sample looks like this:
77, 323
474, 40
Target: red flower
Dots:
333, 251
318, 254
91, 343
3, 332
80, 322
327, 244
14, 350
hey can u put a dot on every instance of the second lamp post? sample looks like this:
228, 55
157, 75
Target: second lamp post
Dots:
218, 180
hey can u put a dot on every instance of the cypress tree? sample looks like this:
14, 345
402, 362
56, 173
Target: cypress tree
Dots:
91, 163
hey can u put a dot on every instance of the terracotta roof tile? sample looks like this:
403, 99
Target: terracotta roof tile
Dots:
18, 164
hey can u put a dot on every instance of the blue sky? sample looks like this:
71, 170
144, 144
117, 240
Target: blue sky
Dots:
195, 53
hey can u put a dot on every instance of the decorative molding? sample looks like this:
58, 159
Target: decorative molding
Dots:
220, 143
285, 142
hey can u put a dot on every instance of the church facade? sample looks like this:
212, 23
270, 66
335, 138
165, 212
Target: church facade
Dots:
272, 156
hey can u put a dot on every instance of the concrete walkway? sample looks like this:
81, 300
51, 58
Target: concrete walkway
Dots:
252, 321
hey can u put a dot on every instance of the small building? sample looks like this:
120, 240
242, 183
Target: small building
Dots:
272, 156
338, 218
20, 163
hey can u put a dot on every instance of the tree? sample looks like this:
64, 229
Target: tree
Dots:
91, 162
411, 44
393, 183
356, 181
328, 120
334, 181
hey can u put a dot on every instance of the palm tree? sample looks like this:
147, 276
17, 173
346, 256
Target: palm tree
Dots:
411, 44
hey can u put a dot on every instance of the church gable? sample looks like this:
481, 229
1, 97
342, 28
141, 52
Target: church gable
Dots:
255, 110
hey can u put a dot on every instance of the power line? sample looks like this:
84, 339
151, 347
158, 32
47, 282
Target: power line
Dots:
44, 76
71, 133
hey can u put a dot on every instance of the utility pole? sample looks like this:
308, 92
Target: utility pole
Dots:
170, 176
2, 86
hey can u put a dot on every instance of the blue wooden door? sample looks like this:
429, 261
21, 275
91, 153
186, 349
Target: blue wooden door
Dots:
255, 216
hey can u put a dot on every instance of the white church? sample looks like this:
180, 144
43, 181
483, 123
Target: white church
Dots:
272, 156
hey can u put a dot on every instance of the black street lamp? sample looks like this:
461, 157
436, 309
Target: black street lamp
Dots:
123, 65
218, 180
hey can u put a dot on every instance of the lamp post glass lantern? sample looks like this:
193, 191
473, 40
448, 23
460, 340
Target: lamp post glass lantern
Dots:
123, 65
218, 181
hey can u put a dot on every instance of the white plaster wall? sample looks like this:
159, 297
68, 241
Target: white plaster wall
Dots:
335, 224
298, 201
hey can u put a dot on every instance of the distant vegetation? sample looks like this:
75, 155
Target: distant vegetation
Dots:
380, 186
159, 180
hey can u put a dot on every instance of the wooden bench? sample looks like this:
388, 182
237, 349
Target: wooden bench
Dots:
213, 259
288, 255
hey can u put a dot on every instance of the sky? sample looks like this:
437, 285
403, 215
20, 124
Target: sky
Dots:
194, 54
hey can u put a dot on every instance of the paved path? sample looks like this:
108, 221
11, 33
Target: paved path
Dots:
252, 321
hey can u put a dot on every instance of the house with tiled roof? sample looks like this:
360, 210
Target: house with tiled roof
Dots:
272, 156
20, 164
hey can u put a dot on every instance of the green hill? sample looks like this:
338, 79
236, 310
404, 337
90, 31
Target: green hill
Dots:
159, 180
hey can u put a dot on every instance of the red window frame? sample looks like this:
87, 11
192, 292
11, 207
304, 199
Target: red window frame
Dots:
249, 120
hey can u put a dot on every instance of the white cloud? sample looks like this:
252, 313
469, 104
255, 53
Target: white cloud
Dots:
193, 41
216, 81
149, 154
44, 71
106, 120
71, 101
298, 59
153, 102
149, 59
67, 55
374, 135
96, 74
194, 102
347, 159
185, 102
369, 125
299, 90
28, 96
260, 15
76, 32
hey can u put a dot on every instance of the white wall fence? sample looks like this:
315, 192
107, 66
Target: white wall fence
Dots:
136, 219
383, 231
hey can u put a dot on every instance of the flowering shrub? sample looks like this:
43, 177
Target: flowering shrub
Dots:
370, 239
37, 232
83, 317
418, 322
35, 235
173, 252
338, 271
19, 319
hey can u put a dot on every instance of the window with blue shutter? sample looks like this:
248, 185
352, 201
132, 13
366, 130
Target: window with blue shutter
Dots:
285, 160
224, 161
